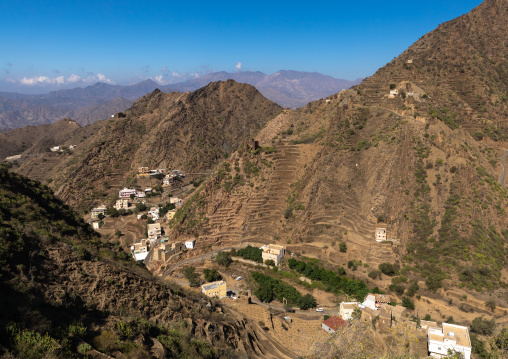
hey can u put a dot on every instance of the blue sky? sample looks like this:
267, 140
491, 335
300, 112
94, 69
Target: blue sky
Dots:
48, 45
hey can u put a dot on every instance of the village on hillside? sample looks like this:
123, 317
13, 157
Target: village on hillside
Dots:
231, 275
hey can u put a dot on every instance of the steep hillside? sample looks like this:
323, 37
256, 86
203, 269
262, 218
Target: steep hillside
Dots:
66, 293
421, 161
91, 114
31, 140
190, 131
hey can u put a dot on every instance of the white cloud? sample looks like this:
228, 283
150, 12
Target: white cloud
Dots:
238, 66
61, 80
176, 74
73, 78
160, 79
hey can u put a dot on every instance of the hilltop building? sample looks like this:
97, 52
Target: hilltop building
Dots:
190, 244
449, 337
273, 252
215, 289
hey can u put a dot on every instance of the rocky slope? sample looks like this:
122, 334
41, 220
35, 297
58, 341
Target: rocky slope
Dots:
422, 161
190, 131
31, 140
65, 291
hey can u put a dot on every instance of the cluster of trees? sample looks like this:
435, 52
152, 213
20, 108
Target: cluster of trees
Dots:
250, 253
271, 288
166, 208
211, 275
335, 282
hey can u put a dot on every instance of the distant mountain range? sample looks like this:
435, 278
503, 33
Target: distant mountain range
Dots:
97, 102
287, 88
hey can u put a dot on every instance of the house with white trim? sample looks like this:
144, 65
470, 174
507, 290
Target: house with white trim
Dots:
448, 337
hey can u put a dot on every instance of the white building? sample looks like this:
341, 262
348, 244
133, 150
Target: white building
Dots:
122, 203
154, 230
375, 301
449, 337
380, 234
94, 213
273, 252
140, 250
190, 244
140, 194
176, 201
126, 192
346, 309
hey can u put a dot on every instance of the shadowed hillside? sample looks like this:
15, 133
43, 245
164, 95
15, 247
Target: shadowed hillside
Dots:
66, 293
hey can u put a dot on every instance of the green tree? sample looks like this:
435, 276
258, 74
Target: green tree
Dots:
211, 275
483, 326
406, 302
307, 301
190, 274
223, 259
270, 262
343, 247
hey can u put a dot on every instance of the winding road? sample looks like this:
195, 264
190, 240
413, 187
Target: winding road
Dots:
503, 171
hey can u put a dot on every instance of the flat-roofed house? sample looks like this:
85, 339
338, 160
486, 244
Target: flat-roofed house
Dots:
215, 289
177, 246
94, 213
398, 312
380, 234
449, 337
346, 309
154, 230
368, 314
385, 317
375, 301
122, 203
126, 192
140, 250
273, 252
190, 243
333, 323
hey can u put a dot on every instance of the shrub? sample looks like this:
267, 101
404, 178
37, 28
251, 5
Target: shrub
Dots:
270, 262
406, 302
223, 259
343, 247
211, 275
427, 317
433, 282
83, 348
251, 253
389, 269
375, 274
190, 274
483, 326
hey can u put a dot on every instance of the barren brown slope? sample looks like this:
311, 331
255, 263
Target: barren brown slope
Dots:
34, 139
360, 160
189, 131
464, 67
58, 276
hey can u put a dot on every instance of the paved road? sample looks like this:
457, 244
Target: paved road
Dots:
503, 171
